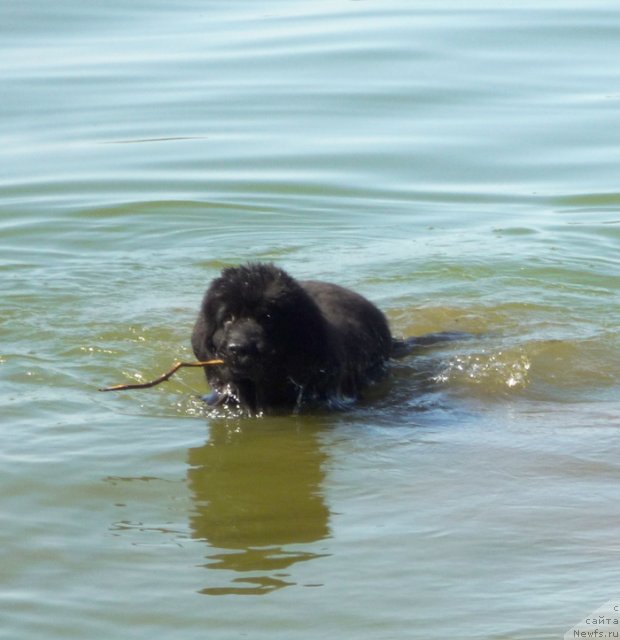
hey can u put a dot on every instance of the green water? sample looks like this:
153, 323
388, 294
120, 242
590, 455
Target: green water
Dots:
457, 165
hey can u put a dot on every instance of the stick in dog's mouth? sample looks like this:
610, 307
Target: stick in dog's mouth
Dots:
163, 377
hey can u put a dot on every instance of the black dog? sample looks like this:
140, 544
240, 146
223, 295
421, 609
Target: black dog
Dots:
285, 342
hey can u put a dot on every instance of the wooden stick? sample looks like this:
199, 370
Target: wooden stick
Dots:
163, 377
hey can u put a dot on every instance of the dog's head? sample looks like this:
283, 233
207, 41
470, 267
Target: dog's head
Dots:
264, 326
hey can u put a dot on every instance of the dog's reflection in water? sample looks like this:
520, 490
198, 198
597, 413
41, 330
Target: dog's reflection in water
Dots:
258, 503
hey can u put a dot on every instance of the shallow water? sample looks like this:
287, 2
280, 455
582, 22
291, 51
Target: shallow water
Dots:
459, 166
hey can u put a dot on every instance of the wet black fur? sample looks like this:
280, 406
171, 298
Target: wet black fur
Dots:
285, 341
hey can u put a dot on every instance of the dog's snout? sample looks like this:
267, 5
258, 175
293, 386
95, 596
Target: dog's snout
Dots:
243, 344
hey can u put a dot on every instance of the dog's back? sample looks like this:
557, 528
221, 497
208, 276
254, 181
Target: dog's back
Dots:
361, 336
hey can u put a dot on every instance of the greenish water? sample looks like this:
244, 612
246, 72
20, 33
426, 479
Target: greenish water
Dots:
457, 165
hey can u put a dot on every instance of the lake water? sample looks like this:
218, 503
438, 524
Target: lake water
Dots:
458, 165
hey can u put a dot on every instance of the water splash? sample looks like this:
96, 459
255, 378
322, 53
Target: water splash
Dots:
494, 372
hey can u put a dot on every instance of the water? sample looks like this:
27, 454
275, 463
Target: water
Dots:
456, 164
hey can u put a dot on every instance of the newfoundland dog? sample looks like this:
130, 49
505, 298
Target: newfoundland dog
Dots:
286, 342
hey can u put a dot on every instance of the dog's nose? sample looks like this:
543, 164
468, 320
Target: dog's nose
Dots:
240, 349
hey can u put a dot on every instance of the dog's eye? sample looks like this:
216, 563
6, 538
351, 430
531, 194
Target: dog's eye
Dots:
223, 315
